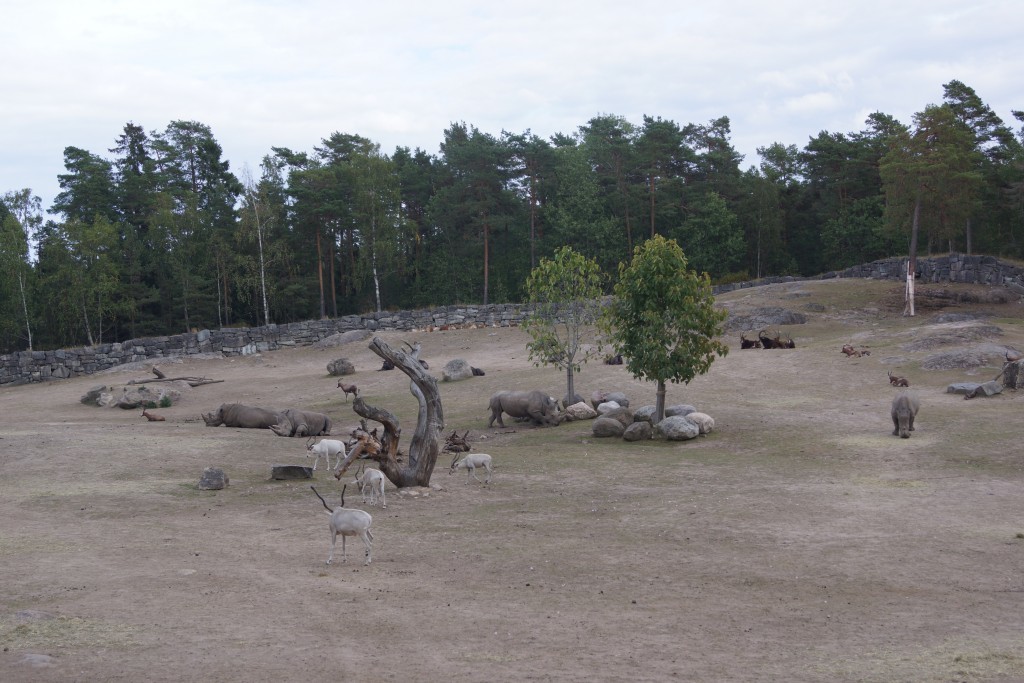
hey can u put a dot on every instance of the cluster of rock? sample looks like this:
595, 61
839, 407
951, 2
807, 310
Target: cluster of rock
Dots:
613, 418
135, 396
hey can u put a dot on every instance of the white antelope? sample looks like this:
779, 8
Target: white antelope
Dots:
348, 522
371, 481
470, 463
325, 449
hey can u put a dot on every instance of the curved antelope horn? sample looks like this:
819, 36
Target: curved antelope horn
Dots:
343, 494
309, 441
454, 459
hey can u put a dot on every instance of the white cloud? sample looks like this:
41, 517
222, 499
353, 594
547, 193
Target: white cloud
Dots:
273, 73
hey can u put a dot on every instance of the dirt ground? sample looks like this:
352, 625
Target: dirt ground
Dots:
799, 541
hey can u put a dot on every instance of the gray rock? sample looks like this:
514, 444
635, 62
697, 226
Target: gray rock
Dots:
677, 428
92, 397
973, 389
638, 431
623, 415
618, 397
579, 411
213, 479
145, 395
644, 414
340, 367
607, 426
291, 472
568, 400
704, 422
680, 409
607, 407
455, 370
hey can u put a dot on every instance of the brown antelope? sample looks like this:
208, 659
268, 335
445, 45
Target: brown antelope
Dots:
153, 417
348, 389
898, 381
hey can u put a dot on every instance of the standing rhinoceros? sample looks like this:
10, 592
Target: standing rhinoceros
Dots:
238, 415
296, 422
533, 405
904, 409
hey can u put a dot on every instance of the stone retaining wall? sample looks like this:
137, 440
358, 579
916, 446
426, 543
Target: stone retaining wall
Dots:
23, 367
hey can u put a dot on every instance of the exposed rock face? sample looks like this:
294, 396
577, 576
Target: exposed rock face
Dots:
135, 396
638, 431
607, 426
677, 428
973, 389
455, 370
340, 366
580, 411
213, 479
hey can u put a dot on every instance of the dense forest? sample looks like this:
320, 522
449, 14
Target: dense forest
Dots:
158, 236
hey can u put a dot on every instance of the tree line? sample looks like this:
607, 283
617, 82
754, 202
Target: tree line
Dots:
158, 236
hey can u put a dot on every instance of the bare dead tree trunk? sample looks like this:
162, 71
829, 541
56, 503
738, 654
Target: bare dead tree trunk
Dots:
912, 261
426, 441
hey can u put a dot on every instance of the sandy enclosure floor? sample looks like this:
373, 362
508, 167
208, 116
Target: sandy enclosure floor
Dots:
800, 541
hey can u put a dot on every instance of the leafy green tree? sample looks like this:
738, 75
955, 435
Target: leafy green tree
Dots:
565, 292
81, 277
476, 207
662, 318
575, 212
609, 143
713, 237
87, 189
23, 219
662, 159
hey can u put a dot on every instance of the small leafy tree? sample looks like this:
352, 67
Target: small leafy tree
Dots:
662, 318
565, 292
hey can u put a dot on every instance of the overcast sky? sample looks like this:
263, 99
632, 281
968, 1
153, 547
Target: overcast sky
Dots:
265, 73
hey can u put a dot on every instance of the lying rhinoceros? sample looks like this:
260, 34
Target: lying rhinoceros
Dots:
238, 415
296, 422
533, 405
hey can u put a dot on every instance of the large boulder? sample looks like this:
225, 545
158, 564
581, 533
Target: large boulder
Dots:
644, 414
680, 409
623, 415
618, 397
144, 396
607, 407
340, 367
704, 422
638, 431
677, 428
455, 370
213, 479
284, 472
579, 411
607, 426
568, 400
972, 389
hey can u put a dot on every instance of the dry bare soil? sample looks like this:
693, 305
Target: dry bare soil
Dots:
800, 541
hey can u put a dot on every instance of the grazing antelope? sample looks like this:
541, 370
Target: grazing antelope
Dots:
470, 463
